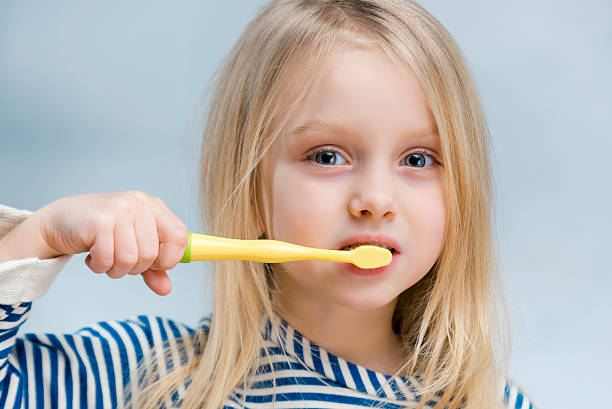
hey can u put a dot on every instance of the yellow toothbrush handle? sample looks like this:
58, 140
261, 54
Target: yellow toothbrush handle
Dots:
201, 247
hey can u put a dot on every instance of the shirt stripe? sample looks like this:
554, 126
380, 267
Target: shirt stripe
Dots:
90, 368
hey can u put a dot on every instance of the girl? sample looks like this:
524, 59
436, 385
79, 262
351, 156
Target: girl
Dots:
333, 123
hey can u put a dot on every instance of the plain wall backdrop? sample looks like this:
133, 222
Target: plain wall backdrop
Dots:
105, 97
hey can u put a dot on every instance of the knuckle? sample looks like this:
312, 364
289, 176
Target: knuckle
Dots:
122, 204
130, 200
101, 221
148, 254
126, 260
137, 196
104, 264
159, 202
165, 264
140, 197
178, 234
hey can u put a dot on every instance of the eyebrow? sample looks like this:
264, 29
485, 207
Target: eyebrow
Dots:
340, 129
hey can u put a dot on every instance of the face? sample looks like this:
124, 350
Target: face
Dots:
360, 155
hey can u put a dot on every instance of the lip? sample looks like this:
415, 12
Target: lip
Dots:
377, 239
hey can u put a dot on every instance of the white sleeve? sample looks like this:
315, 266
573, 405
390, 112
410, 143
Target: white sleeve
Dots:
29, 278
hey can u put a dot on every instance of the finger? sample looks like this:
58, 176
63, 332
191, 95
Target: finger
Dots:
147, 242
126, 249
158, 281
172, 235
102, 254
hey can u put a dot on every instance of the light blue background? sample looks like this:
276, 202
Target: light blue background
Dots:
106, 97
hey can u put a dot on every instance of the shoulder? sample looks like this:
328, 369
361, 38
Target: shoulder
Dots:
131, 338
112, 350
145, 331
515, 397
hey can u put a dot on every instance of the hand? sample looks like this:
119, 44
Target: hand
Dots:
125, 233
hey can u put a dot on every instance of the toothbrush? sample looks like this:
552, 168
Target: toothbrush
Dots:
201, 247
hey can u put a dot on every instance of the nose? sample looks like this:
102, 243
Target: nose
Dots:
375, 199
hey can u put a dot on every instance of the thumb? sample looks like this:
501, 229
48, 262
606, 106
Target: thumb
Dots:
158, 281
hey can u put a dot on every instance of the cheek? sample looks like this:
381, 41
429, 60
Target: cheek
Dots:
303, 209
439, 225
428, 220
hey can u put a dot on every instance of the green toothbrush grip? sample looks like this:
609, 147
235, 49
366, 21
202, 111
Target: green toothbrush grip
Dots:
187, 256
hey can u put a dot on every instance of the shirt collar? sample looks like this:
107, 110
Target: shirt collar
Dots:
341, 372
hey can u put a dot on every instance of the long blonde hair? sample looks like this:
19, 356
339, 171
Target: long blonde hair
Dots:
453, 321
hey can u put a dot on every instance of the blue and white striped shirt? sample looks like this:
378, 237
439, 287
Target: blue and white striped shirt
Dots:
89, 369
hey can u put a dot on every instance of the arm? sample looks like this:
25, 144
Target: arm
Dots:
87, 369
23, 278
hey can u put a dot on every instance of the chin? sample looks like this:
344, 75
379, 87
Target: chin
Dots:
367, 302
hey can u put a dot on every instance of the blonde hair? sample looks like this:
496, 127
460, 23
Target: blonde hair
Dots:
452, 321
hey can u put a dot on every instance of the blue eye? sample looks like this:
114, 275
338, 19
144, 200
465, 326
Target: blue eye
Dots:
418, 159
327, 157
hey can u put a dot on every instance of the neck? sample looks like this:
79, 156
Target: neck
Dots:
365, 338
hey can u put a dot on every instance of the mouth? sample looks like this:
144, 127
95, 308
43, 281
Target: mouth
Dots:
369, 239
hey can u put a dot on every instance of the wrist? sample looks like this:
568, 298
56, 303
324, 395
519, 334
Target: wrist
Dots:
25, 240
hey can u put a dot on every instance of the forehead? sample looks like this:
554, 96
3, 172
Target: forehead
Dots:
425, 135
365, 91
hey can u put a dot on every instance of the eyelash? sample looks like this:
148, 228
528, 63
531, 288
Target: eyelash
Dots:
312, 154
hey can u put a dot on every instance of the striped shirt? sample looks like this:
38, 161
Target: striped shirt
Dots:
89, 368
